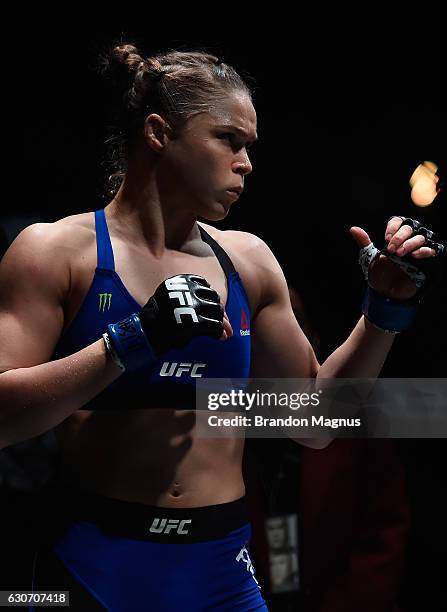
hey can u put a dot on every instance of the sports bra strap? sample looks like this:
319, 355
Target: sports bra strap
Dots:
103, 243
105, 251
221, 255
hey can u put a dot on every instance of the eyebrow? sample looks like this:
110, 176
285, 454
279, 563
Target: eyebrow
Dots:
240, 131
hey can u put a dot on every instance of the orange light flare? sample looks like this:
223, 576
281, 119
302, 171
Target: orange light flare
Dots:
424, 184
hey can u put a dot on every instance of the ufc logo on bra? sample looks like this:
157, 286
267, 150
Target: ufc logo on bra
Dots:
175, 369
178, 289
166, 526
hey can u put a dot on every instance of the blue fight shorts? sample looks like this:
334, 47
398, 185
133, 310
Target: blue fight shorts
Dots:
117, 555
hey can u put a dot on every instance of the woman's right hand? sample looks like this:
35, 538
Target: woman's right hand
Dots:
182, 308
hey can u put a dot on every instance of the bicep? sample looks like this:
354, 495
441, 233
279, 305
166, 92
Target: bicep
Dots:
31, 309
280, 348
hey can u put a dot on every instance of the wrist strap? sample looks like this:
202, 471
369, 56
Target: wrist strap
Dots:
131, 344
111, 351
387, 314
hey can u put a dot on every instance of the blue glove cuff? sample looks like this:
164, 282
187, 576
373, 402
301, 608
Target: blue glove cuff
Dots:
388, 314
131, 344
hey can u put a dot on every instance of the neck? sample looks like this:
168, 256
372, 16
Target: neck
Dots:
143, 216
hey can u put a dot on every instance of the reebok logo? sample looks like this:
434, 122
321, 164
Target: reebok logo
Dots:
245, 331
167, 525
178, 289
176, 369
105, 300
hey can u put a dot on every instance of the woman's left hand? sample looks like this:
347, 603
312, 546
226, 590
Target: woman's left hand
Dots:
383, 275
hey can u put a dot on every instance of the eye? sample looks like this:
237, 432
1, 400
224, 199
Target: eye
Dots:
234, 141
227, 136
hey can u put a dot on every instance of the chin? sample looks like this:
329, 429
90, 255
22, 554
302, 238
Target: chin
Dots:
214, 213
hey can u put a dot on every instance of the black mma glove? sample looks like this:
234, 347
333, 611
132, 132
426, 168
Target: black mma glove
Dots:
182, 308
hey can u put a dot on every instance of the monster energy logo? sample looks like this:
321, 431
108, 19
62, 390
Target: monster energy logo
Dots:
104, 301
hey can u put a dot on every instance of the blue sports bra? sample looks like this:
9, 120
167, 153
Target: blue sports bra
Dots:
170, 381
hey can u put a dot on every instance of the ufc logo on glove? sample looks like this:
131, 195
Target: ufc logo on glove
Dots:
178, 289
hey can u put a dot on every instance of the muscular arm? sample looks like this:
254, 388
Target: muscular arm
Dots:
35, 394
361, 355
280, 348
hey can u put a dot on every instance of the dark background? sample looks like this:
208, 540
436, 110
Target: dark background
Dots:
342, 125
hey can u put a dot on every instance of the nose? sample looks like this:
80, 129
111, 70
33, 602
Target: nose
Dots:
242, 165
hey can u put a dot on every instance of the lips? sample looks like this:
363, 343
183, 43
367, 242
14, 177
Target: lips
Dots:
238, 189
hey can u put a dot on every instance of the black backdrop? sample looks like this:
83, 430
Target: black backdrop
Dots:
341, 130
342, 125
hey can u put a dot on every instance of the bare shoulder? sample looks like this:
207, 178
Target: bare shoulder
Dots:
44, 251
243, 245
47, 239
80, 227
253, 259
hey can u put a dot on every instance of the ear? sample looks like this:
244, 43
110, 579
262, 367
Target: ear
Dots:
156, 132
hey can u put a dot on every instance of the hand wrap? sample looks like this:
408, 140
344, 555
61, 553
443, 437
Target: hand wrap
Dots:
387, 313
